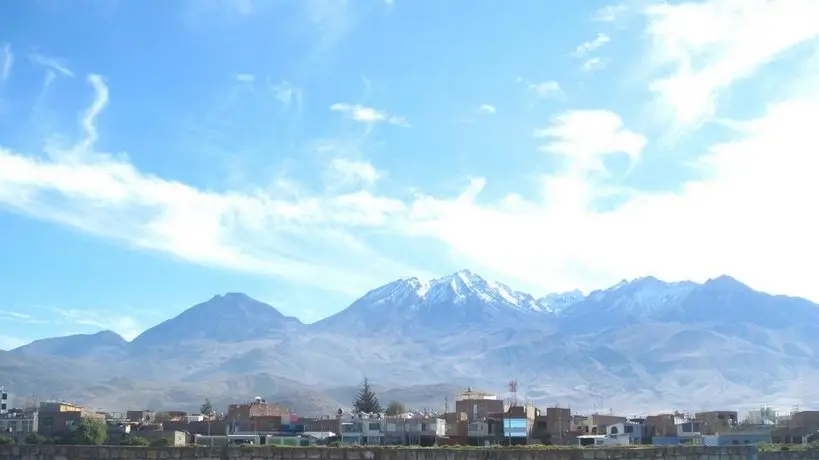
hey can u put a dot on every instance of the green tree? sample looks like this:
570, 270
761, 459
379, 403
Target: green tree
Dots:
395, 408
135, 441
91, 431
206, 408
161, 442
6, 440
366, 402
36, 439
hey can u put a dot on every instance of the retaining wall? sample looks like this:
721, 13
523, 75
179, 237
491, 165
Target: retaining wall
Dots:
16, 452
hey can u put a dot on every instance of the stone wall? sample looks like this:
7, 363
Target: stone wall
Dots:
12, 452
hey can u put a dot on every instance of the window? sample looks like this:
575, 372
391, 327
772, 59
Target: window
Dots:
628, 429
374, 426
4, 396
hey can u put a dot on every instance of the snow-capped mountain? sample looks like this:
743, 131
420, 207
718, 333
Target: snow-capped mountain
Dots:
460, 300
652, 342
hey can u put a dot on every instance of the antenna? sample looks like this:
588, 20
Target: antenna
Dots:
513, 388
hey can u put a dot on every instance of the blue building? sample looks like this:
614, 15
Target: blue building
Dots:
733, 439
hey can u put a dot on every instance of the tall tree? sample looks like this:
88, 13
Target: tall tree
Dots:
91, 431
366, 402
395, 408
206, 408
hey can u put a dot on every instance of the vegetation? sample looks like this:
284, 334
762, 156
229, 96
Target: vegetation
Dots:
6, 440
395, 408
37, 439
206, 408
366, 402
135, 441
91, 432
161, 442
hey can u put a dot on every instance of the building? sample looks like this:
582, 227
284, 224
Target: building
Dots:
61, 418
259, 407
716, 421
5, 403
602, 440
632, 430
413, 429
18, 422
140, 416
477, 405
362, 430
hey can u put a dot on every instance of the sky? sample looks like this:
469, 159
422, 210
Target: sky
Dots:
154, 153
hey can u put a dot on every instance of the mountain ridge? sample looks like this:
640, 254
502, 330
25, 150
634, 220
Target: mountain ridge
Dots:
641, 343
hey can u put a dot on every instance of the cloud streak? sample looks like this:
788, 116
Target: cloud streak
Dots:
6, 62
368, 115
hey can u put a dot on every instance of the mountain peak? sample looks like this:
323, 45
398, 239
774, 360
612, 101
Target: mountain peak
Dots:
725, 282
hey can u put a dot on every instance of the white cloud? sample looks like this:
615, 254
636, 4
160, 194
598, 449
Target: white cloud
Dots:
280, 231
368, 115
125, 326
345, 172
609, 13
244, 77
287, 93
700, 49
486, 109
547, 89
54, 64
585, 137
6, 62
8, 342
18, 317
592, 45
595, 63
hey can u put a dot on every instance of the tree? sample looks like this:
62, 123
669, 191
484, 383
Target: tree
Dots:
395, 408
206, 408
161, 442
6, 440
366, 402
91, 431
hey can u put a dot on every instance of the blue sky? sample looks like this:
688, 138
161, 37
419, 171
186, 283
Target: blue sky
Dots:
154, 153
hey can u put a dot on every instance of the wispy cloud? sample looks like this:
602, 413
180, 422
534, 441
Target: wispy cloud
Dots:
368, 115
704, 59
584, 49
595, 63
610, 13
18, 317
345, 172
287, 93
486, 109
8, 342
55, 64
547, 89
6, 62
124, 325
244, 77
276, 231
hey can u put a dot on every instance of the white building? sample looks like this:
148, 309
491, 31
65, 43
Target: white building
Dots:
633, 430
363, 430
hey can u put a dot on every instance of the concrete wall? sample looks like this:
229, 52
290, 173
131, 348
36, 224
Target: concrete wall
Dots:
10, 452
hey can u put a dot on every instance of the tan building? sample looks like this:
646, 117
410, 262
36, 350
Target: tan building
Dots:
61, 418
660, 425
257, 408
477, 405
716, 421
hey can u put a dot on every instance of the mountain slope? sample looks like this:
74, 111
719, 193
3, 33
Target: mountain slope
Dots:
233, 317
99, 345
643, 344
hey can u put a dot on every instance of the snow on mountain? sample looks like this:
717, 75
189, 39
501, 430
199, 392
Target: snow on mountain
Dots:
461, 299
559, 301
